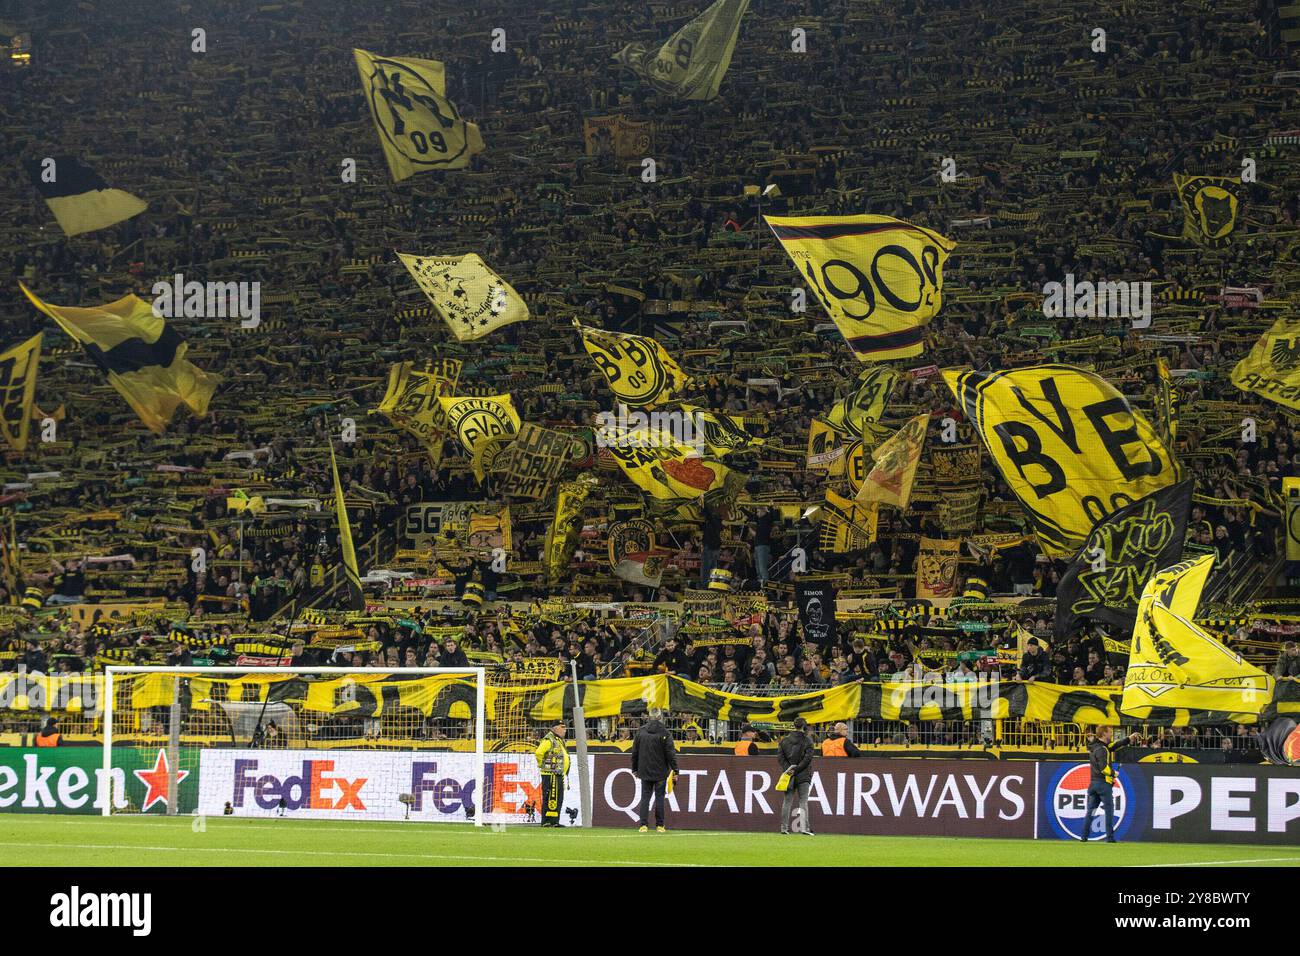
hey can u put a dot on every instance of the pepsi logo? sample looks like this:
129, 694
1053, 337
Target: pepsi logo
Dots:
1069, 804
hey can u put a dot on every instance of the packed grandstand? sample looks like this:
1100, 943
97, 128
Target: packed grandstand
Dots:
1105, 224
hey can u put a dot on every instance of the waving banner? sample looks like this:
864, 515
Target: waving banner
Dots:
485, 426
891, 477
418, 127
533, 462
1067, 443
880, 279
859, 413
639, 372
566, 526
691, 64
937, 564
471, 298
1210, 207
142, 354
17, 388
675, 475
1272, 367
411, 401
1175, 664
80, 200
1105, 580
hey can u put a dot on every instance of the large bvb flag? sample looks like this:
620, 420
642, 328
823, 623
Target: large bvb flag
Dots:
1067, 443
880, 279
418, 126
80, 200
352, 575
142, 354
1104, 582
1175, 664
17, 388
692, 62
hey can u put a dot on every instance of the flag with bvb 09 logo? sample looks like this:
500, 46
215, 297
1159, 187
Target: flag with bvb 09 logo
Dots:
639, 372
419, 129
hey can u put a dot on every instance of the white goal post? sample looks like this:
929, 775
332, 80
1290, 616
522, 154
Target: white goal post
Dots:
157, 724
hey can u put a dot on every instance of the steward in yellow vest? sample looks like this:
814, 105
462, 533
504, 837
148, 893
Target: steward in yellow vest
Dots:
553, 763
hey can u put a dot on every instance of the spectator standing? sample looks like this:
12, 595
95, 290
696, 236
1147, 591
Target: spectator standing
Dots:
795, 754
653, 760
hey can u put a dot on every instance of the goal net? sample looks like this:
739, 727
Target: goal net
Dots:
333, 743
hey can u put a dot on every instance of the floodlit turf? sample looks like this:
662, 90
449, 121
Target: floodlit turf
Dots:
47, 840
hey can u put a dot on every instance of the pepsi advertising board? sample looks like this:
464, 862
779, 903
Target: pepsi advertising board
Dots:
1175, 803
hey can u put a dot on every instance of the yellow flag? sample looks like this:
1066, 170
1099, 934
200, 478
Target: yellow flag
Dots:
351, 573
825, 453
891, 477
1173, 663
418, 126
1067, 443
1210, 207
719, 434
691, 64
80, 200
880, 279
847, 525
1272, 367
411, 401
936, 568
566, 526
639, 372
142, 354
673, 474
17, 388
485, 426
860, 412
471, 298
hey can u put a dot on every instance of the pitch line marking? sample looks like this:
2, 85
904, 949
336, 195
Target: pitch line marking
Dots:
341, 853
1265, 859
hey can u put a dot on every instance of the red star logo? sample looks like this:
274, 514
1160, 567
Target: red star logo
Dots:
156, 781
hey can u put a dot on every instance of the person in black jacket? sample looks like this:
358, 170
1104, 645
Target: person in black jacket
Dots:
1102, 780
1034, 665
653, 759
795, 753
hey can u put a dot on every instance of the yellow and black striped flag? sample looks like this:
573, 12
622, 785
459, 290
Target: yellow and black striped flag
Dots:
356, 597
80, 200
142, 354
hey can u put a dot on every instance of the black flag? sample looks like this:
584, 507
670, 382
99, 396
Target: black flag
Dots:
817, 610
1104, 581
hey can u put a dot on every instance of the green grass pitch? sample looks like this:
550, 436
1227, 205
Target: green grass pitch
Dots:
48, 840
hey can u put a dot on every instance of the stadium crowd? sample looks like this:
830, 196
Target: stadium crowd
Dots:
1064, 157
